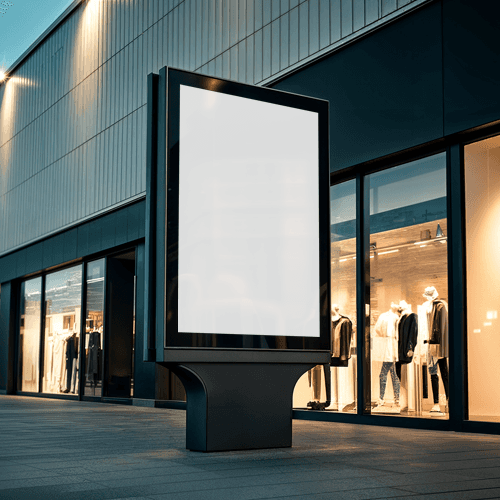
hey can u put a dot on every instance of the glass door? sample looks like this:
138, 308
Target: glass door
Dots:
94, 329
62, 330
119, 341
29, 335
408, 308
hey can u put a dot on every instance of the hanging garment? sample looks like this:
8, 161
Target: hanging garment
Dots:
93, 355
70, 357
341, 339
407, 336
314, 377
437, 319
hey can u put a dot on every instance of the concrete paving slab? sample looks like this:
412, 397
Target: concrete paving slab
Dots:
446, 487
69, 450
483, 494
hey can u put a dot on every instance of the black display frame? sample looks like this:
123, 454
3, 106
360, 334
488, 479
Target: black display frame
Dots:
172, 337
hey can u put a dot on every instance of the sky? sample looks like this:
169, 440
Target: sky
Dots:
22, 22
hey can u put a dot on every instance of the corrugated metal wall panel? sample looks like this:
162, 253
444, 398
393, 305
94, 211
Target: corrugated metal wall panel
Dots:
324, 23
258, 56
294, 36
275, 46
372, 11
226, 70
314, 26
233, 62
73, 115
266, 12
388, 6
193, 28
242, 61
303, 30
346, 17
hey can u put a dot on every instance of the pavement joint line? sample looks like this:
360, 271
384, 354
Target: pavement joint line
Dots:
455, 491
360, 489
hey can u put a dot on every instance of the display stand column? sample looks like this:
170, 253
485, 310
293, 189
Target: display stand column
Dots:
237, 406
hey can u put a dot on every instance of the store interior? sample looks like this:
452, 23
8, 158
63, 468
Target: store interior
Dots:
408, 259
403, 263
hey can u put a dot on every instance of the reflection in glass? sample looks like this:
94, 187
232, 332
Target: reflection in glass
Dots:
408, 289
62, 331
94, 328
332, 387
29, 335
482, 197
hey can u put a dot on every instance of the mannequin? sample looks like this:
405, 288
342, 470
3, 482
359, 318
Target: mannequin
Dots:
341, 338
340, 349
437, 323
407, 342
407, 333
386, 329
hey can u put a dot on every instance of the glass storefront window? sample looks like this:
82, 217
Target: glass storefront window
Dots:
29, 335
63, 296
332, 387
94, 328
408, 289
482, 215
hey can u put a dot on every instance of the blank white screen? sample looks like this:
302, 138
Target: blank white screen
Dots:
248, 217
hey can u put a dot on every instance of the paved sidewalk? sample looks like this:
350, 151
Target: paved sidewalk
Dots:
57, 449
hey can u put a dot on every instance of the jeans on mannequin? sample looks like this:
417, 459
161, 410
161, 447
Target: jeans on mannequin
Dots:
389, 366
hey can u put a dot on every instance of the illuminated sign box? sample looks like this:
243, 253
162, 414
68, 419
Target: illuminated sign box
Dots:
247, 217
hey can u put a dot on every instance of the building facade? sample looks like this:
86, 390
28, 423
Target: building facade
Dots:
414, 161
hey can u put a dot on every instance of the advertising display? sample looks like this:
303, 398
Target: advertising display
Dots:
243, 238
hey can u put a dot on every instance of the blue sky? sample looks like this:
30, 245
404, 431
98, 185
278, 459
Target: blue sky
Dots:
22, 22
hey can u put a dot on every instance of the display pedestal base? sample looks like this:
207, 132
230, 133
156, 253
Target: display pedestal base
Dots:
238, 406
